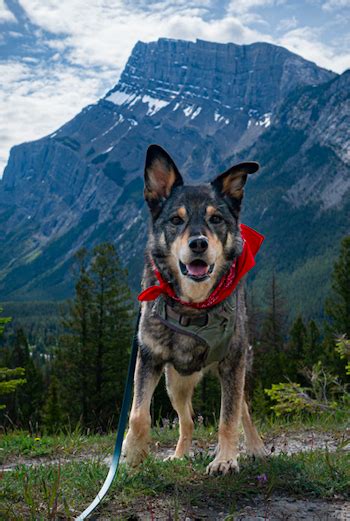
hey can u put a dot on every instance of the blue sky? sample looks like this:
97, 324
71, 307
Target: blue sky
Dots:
56, 56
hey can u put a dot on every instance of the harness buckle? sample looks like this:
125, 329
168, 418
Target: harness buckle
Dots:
184, 321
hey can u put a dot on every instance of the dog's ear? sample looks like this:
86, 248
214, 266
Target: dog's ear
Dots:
231, 183
161, 176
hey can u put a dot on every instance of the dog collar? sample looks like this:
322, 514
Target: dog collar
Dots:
252, 241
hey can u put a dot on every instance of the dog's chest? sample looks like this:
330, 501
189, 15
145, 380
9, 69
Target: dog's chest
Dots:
189, 343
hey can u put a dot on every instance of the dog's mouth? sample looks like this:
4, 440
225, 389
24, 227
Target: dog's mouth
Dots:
197, 270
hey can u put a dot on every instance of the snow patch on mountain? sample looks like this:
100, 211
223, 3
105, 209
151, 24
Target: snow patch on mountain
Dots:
219, 118
120, 98
196, 112
154, 104
265, 120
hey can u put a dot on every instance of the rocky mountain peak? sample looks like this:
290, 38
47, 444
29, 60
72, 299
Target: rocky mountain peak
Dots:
232, 77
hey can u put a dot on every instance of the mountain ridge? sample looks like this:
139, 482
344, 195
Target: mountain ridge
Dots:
83, 183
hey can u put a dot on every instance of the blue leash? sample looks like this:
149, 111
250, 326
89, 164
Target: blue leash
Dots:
121, 429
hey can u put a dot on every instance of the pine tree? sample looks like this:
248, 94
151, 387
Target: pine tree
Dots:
92, 358
338, 310
74, 355
313, 351
52, 411
112, 331
270, 359
254, 317
296, 349
338, 305
26, 403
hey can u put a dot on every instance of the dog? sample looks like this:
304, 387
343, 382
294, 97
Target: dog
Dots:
191, 318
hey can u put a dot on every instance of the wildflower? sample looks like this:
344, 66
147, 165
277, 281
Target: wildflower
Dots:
262, 478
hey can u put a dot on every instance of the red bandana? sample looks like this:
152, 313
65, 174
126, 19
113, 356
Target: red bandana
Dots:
252, 241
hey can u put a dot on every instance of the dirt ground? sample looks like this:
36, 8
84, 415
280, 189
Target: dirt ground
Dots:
287, 442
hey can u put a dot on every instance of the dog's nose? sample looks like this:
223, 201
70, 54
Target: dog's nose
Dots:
198, 244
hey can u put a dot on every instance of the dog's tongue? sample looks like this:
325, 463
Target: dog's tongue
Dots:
197, 269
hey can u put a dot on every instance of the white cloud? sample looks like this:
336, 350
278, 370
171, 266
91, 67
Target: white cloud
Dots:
5, 13
35, 101
332, 5
306, 42
96, 38
104, 34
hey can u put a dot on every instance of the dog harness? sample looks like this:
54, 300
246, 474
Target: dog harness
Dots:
214, 328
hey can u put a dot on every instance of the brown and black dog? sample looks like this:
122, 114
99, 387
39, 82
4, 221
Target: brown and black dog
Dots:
194, 239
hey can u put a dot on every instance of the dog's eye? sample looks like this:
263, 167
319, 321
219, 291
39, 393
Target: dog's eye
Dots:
176, 220
215, 219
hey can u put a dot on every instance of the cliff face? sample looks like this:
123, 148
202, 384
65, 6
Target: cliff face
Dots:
236, 77
208, 104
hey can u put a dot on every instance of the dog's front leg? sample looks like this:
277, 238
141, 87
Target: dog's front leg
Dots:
232, 377
147, 375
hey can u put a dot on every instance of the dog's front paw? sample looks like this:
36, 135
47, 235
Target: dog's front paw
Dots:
134, 452
257, 451
222, 467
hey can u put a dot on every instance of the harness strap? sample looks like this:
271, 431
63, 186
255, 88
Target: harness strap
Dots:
214, 329
185, 320
121, 429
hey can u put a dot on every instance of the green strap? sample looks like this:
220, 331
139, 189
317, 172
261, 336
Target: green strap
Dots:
123, 418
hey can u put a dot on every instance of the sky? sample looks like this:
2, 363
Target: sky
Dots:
57, 56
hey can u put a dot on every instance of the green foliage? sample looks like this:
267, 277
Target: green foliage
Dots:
325, 393
92, 357
269, 350
3, 322
24, 406
343, 349
305, 373
52, 411
73, 361
9, 378
338, 306
292, 398
41, 322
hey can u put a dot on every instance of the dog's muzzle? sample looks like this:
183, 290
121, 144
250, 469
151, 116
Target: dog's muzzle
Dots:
197, 270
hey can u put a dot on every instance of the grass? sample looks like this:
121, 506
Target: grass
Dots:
61, 491
23, 445
65, 487
333, 422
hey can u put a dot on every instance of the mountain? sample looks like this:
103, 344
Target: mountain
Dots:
301, 201
208, 104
